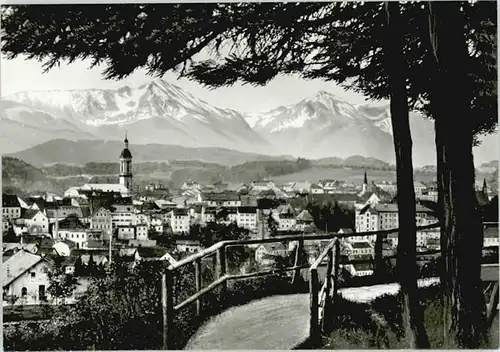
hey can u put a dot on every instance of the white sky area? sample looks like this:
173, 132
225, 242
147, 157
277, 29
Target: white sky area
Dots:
19, 75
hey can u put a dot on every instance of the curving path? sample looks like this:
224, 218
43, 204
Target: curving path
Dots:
282, 322
276, 322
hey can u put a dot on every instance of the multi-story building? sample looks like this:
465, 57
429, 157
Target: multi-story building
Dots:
141, 232
247, 218
286, 221
35, 221
126, 232
179, 221
157, 224
101, 219
79, 236
11, 208
223, 199
385, 217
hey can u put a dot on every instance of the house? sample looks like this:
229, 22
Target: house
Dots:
141, 232
304, 220
190, 246
301, 187
345, 198
190, 185
63, 208
157, 224
74, 192
266, 253
286, 222
423, 236
208, 215
35, 221
420, 189
98, 259
11, 208
388, 186
179, 221
362, 269
142, 243
123, 212
491, 236
263, 185
25, 280
72, 229
63, 248
126, 232
316, 189
101, 219
150, 253
247, 218
385, 217
223, 199
143, 219
78, 236
361, 248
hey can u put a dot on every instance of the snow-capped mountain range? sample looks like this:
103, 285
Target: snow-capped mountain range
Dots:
159, 112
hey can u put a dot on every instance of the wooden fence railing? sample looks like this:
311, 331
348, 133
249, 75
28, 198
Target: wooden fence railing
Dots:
321, 299
222, 276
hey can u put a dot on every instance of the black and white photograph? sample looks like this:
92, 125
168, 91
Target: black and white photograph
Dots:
249, 175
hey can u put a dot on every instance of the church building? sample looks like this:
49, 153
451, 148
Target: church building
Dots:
123, 187
126, 166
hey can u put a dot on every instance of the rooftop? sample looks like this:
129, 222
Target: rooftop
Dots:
18, 264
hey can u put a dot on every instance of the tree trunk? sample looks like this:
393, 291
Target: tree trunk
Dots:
461, 226
406, 261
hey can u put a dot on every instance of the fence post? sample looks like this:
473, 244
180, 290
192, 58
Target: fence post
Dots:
167, 309
197, 273
328, 291
298, 257
221, 269
314, 333
336, 269
491, 307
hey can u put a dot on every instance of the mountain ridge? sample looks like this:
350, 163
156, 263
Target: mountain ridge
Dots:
320, 125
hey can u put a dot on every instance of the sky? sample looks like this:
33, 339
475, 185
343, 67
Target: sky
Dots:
19, 75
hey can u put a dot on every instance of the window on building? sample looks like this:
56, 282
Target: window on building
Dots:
33, 274
24, 292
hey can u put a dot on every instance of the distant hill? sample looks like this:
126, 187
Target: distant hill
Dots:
489, 167
84, 151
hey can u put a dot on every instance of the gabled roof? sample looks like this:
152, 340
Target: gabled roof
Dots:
361, 245
30, 213
180, 212
18, 264
223, 196
363, 266
305, 216
10, 201
247, 210
71, 222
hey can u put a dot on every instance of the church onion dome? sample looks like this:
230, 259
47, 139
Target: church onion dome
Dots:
126, 153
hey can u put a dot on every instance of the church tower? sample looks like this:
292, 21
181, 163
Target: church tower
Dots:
126, 166
365, 184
